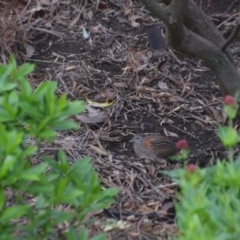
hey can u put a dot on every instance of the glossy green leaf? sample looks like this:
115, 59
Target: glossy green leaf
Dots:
34, 173
12, 213
8, 163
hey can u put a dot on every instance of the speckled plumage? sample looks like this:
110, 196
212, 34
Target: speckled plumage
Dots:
153, 146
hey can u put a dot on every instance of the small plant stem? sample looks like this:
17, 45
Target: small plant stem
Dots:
230, 154
230, 149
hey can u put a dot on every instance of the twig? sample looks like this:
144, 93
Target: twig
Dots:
227, 20
232, 36
169, 185
60, 35
24, 10
59, 77
230, 6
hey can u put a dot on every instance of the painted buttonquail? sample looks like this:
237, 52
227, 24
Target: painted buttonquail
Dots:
153, 146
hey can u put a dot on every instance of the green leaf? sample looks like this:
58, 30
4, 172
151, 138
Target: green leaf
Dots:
13, 99
60, 187
83, 234
62, 102
12, 62
25, 69
230, 111
65, 125
228, 136
14, 142
26, 90
30, 110
47, 134
63, 163
7, 164
51, 99
70, 195
2, 198
42, 202
4, 86
12, 213
4, 137
62, 157
109, 192
72, 234
51, 177
53, 164
29, 151
34, 173
60, 217
99, 237
44, 124
5, 116
44, 89
38, 188
6, 72
73, 108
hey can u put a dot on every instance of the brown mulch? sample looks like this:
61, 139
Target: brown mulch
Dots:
153, 92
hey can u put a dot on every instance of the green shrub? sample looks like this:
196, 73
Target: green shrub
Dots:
209, 205
39, 113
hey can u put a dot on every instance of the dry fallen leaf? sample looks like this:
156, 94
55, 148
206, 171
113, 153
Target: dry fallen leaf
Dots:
216, 114
145, 80
133, 234
102, 6
29, 50
170, 134
111, 224
85, 33
144, 209
75, 20
90, 15
162, 85
166, 121
120, 84
98, 150
109, 94
133, 22
167, 207
98, 118
97, 104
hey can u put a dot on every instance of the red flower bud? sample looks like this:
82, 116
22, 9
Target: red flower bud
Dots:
229, 100
191, 168
182, 144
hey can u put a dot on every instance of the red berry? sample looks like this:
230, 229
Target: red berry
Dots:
182, 144
229, 100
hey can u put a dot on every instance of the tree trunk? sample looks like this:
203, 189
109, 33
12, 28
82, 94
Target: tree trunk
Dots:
190, 31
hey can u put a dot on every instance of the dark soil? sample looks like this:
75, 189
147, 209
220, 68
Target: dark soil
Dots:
116, 63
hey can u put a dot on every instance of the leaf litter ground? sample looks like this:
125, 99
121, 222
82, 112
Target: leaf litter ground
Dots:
153, 92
